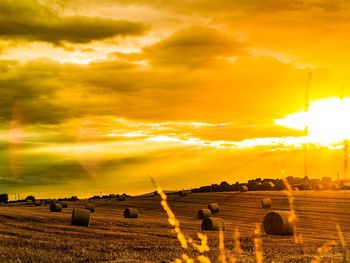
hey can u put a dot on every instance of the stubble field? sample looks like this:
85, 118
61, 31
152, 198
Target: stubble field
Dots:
34, 234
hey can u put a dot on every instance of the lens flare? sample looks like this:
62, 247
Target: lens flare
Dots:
15, 140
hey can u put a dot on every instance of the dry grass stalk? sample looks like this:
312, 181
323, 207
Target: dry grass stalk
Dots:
237, 243
203, 259
222, 256
343, 244
298, 239
180, 236
258, 245
203, 246
326, 248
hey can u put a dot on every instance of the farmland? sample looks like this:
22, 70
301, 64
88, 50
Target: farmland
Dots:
33, 234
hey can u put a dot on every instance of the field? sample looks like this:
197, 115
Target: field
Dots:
33, 234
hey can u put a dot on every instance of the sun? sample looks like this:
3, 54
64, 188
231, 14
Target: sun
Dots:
327, 120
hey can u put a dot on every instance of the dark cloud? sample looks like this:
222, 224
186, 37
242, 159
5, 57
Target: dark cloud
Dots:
238, 6
31, 20
194, 46
50, 92
30, 88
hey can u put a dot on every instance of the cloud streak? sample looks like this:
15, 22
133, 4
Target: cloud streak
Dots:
30, 20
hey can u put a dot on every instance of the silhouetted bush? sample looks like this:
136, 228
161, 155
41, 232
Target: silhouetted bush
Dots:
30, 198
4, 198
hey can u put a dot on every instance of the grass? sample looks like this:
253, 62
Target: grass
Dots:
33, 234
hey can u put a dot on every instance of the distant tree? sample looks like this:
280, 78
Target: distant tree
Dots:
236, 186
4, 198
30, 198
279, 185
326, 179
122, 197
254, 185
267, 185
74, 198
225, 186
303, 186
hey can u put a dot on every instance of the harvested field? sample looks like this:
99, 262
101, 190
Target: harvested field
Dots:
34, 234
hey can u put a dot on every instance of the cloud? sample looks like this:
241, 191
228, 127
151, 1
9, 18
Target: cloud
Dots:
30, 20
194, 46
30, 87
247, 6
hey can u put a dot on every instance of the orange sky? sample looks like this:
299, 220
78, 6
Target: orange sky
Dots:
97, 95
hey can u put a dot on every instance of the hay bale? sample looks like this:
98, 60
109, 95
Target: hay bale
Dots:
336, 187
80, 217
55, 207
90, 207
266, 203
131, 213
214, 208
122, 197
182, 193
278, 223
204, 213
213, 224
319, 187
64, 204
244, 188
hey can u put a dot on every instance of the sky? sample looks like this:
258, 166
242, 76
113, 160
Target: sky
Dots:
98, 96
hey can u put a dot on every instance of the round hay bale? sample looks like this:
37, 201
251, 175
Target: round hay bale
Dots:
266, 203
278, 223
204, 213
122, 197
213, 224
319, 187
131, 213
90, 207
64, 204
336, 187
214, 208
244, 188
80, 217
182, 193
55, 207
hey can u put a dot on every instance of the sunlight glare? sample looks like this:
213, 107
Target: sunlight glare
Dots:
327, 120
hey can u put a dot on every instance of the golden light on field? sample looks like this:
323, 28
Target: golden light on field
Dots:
326, 119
